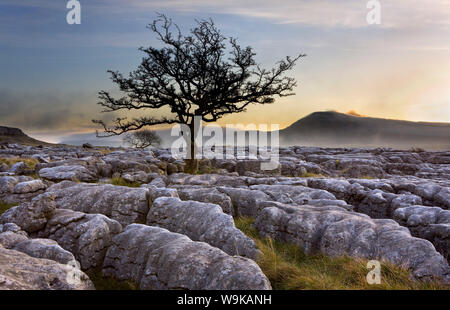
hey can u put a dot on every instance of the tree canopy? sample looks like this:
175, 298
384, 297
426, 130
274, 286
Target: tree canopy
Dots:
142, 139
200, 74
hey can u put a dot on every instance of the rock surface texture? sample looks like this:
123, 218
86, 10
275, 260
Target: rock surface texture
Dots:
64, 209
123, 204
201, 222
335, 232
158, 259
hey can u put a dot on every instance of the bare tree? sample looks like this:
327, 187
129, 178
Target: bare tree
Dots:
142, 139
201, 74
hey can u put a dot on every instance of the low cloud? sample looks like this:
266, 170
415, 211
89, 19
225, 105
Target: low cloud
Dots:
349, 13
354, 113
45, 111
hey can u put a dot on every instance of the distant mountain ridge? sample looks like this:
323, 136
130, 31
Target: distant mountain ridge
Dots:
16, 135
342, 130
323, 129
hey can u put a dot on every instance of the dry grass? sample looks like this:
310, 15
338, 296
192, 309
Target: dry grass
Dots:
122, 182
311, 175
367, 177
35, 176
289, 268
104, 151
30, 162
5, 206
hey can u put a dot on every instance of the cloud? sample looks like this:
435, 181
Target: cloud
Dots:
349, 13
350, 65
354, 113
42, 4
330, 13
66, 112
44, 111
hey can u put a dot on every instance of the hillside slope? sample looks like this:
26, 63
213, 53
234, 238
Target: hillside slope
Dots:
341, 130
16, 135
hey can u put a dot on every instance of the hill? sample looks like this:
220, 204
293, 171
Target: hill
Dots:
16, 135
335, 129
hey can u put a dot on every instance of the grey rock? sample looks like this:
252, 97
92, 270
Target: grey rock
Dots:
340, 188
44, 248
270, 180
155, 258
42, 158
427, 191
254, 166
7, 183
403, 200
401, 168
123, 204
156, 192
86, 236
358, 171
19, 271
414, 180
208, 195
374, 184
443, 198
201, 222
13, 228
293, 194
18, 168
206, 180
289, 181
330, 202
158, 182
29, 187
9, 239
335, 232
375, 203
245, 201
70, 172
31, 216
139, 177
129, 165
431, 223
19, 189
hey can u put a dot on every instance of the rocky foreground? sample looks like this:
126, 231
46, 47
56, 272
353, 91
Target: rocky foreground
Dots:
173, 230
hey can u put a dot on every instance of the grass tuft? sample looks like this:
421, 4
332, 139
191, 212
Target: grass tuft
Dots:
30, 162
5, 206
367, 177
105, 151
121, 182
311, 175
289, 268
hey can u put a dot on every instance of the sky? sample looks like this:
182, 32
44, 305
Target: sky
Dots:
51, 72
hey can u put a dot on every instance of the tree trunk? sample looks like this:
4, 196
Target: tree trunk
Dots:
192, 163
